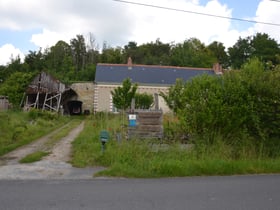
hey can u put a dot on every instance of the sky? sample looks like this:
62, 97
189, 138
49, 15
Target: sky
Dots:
30, 25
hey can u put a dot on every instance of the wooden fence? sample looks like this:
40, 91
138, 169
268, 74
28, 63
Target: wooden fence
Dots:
147, 125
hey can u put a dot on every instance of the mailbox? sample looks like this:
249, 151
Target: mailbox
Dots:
104, 137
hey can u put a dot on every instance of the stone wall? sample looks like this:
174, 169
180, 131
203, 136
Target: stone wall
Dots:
98, 97
85, 92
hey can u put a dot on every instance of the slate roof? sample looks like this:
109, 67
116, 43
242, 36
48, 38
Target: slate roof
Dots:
146, 74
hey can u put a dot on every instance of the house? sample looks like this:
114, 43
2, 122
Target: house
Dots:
151, 79
47, 93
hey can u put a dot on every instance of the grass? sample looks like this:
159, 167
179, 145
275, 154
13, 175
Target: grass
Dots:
64, 131
36, 156
19, 128
135, 158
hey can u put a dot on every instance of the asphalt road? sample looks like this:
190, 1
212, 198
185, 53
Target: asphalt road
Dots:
231, 192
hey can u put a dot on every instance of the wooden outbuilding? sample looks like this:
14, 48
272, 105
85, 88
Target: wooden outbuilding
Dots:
48, 93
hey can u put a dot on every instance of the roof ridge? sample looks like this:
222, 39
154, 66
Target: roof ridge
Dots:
156, 66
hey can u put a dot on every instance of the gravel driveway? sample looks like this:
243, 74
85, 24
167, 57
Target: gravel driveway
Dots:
53, 166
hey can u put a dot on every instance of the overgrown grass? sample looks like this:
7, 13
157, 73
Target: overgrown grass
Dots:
20, 128
135, 158
64, 131
33, 157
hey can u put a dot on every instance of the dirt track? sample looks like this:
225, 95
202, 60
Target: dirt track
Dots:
53, 166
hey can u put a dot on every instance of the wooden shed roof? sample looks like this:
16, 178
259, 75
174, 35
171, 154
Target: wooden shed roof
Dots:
45, 83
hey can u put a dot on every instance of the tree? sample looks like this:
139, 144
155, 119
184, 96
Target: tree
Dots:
192, 53
78, 48
111, 55
240, 52
155, 53
123, 95
35, 61
131, 50
265, 48
15, 65
260, 46
143, 100
218, 50
15, 86
92, 50
240, 108
59, 59
173, 98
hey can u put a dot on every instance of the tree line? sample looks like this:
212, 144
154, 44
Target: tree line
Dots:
77, 60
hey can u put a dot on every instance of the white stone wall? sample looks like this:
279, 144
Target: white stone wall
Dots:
97, 97
103, 98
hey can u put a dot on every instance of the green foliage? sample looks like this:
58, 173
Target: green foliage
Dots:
240, 52
111, 55
34, 114
123, 95
143, 100
15, 86
153, 53
77, 61
265, 95
173, 98
192, 53
238, 107
218, 50
150, 159
261, 46
33, 157
19, 128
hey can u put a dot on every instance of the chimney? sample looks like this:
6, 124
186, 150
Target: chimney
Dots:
129, 63
218, 69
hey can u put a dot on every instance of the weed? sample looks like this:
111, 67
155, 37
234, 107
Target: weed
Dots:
33, 157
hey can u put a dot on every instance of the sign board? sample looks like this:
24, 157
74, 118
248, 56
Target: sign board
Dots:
132, 117
132, 120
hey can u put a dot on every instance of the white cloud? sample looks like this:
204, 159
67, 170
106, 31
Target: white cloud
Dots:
178, 26
118, 23
268, 11
7, 52
47, 38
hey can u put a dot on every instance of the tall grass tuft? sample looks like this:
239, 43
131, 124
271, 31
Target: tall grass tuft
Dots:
150, 158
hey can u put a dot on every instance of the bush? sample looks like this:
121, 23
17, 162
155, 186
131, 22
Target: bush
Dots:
34, 114
240, 107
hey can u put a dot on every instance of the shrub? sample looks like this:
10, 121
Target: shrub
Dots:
238, 107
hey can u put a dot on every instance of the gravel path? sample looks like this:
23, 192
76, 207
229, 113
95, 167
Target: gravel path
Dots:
53, 166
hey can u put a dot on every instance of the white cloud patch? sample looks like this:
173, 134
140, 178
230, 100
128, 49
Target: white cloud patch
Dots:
176, 26
8, 52
47, 38
118, 23
268, 11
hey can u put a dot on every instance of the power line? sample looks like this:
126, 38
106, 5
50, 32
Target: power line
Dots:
199, 13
